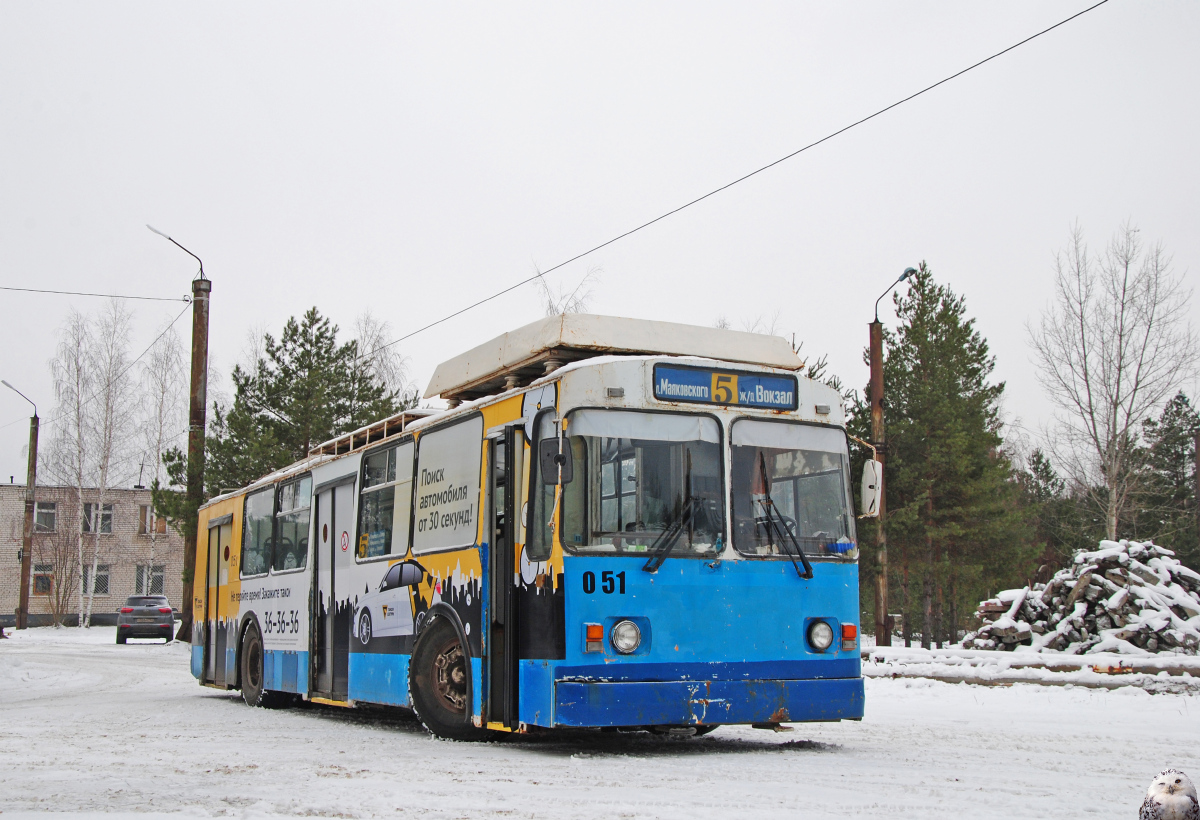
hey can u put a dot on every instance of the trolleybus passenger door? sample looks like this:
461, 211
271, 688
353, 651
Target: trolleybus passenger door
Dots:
505, 463
332, 604
322, 644
216, 577
211, 607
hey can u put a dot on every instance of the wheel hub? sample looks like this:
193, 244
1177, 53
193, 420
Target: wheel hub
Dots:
450, 677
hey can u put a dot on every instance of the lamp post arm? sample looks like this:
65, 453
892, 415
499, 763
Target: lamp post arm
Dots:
22, 395
885, 293
907, 273
181, 247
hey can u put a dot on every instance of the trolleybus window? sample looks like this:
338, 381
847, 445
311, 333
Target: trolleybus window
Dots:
385, 506
257, 526
447, 492
290, 547
791, 481
541, 531
637, 475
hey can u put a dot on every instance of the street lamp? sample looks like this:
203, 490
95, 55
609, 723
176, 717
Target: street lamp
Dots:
27, 541
201, 288
883, 625
181, 247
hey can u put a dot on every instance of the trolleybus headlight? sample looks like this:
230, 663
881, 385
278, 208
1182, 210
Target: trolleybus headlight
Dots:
625, 636
820, 635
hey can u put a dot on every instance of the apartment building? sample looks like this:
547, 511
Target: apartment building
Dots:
136, 552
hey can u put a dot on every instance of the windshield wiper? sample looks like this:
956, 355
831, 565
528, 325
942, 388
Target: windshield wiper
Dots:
666, 540
776, 527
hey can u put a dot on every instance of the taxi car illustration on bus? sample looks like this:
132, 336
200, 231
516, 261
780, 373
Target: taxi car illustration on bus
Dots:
388, 611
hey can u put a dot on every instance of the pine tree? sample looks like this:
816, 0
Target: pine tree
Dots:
955, 524
305, 389
1061, 520
1167, 485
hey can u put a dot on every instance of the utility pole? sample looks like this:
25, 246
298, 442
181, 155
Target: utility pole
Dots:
201, 288
30, 515
883, 624
883, 632
1197, 478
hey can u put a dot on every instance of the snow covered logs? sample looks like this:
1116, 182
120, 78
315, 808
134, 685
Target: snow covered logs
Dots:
1126, 597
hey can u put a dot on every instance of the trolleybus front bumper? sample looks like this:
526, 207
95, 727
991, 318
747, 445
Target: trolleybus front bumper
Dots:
583, 703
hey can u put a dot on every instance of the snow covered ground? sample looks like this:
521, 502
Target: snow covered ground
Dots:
1161, 672
89, 728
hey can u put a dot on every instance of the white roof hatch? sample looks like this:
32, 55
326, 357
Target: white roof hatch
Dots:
527, 353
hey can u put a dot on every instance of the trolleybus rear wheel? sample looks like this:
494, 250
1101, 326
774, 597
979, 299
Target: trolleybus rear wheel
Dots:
439, 683
251, 659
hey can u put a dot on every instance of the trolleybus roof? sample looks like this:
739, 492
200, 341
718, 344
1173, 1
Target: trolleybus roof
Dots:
529, 352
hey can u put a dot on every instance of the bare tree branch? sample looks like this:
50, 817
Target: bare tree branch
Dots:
564, 301
1113, 346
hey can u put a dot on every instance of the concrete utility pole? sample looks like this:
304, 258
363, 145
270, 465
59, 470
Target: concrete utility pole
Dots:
883, 626
201, 288
30, 515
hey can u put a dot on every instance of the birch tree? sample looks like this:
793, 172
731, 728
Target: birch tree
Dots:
69, 454
114, 413
1114, 344
164, 416
383, 362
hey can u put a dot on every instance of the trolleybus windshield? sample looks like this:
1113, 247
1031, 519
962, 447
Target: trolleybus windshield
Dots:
799, 475
634, 474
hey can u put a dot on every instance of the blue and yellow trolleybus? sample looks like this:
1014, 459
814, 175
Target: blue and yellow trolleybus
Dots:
617, 523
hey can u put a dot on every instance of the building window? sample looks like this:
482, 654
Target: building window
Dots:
147, 521
150, 579
91, 512
45, 517
101, 580
43, 579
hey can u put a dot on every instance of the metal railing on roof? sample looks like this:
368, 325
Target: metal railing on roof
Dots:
370, 434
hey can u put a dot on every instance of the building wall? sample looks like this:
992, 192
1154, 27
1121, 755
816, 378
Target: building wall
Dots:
123, 550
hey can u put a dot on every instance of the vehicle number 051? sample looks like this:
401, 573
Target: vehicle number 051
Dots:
610, 582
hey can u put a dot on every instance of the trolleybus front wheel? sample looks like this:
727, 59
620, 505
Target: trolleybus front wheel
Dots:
438, 683
251, 659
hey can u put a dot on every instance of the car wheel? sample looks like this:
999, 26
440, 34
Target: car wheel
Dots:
439, 683
364, 627
120, 638
251, 661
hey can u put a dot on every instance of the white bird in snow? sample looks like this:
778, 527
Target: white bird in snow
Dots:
1171, 796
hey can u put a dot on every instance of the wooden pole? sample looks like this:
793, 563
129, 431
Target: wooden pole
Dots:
201, 288
883, 632
30, 523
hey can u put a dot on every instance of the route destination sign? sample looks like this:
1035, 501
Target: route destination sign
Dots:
709, 386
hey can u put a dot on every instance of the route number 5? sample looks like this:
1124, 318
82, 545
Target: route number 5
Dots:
724, 387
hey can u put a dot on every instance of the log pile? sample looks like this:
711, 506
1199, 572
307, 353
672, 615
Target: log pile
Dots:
1128, 597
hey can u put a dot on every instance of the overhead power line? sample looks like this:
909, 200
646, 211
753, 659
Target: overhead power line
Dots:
742, 178
104, 295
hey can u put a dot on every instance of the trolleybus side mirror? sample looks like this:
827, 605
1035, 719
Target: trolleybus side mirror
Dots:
551, 458
872, 488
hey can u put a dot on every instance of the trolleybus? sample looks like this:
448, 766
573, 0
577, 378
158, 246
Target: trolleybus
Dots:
617, 523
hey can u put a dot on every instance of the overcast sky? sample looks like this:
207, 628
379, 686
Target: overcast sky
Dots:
409, 159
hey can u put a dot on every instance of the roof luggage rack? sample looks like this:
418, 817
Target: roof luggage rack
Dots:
377, 431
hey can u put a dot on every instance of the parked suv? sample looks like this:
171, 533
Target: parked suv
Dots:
146, 616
